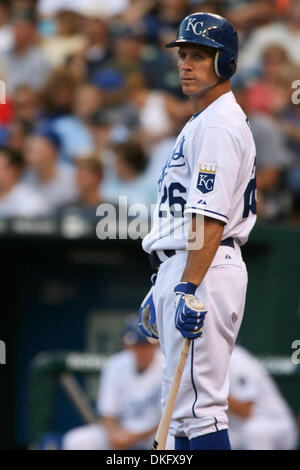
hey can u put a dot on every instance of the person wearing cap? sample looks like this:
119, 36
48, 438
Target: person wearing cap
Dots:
52, 180
129, 398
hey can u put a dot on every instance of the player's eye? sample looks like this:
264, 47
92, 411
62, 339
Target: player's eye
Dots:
198, 55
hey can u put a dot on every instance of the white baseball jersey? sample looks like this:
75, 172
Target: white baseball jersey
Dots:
210, 172
129, 396
271, 425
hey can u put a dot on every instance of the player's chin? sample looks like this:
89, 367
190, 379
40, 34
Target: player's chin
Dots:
187, 89
190, 89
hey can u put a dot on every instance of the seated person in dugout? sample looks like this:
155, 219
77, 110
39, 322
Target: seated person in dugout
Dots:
259, 417
129, 404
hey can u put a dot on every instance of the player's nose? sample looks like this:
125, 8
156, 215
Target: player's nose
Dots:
186, 64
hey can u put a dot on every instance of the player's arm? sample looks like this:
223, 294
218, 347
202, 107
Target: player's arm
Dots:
128, 438
240, 408
189, 311
121, 438
111, 425
115, 432
199, 261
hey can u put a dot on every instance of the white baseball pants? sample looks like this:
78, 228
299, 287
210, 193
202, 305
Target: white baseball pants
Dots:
202, 398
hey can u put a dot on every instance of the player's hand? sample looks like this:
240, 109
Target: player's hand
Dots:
147, 316
122, 439
189, 311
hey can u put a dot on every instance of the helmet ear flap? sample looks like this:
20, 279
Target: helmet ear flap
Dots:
217, 64
224, 67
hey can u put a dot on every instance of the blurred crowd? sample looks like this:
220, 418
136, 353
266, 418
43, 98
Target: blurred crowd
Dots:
93, 101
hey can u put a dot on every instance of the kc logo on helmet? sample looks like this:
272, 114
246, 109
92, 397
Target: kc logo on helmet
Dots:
195, 25
206, 177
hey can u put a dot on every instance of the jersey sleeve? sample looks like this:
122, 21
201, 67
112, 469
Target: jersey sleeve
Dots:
244, 377
243, 387
108, 403
215, 169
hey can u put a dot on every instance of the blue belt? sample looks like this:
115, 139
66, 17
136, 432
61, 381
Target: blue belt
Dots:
155, 260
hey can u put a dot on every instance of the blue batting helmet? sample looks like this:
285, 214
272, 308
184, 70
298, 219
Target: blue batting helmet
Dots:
132, 334
214, 31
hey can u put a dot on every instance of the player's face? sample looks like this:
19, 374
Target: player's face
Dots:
144, 354
196, 69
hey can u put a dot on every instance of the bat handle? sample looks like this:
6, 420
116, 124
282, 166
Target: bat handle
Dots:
159, 442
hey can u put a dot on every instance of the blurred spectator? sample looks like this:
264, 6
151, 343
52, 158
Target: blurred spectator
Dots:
102, 129
209, 6
26, 104
168, 14
259, 417
159, 113
272, 159
6, 31
16, 200
25, 63
289, 122
129, 178
248, 15
129, 398
17, 133
113, 88
54, 182
97, 51
285, 32
128, 43
67, 41
18, 117
271, 93
133, 55
87, 100
137, 10
57, 95
88, 177
73, 130
153, 112
118, 118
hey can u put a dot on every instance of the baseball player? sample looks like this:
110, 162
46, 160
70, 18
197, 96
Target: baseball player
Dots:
206, 196
259, 417
129, 399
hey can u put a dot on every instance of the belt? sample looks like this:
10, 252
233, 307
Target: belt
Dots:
155, 260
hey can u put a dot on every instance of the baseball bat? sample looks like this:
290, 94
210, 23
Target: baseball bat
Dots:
78, 398
160, 439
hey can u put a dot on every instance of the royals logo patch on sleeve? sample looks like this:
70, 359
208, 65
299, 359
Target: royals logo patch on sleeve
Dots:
206, 177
